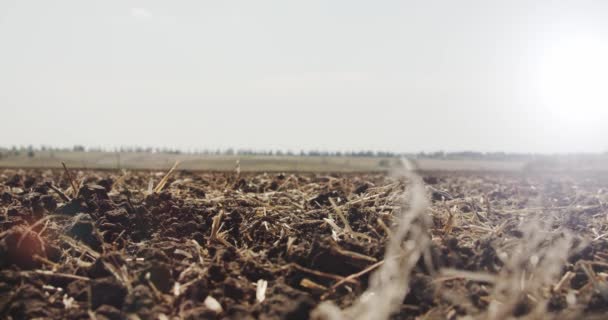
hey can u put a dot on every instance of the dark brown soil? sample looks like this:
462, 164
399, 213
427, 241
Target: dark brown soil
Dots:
113, 249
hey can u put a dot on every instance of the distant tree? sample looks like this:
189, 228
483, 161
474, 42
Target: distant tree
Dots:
78, 148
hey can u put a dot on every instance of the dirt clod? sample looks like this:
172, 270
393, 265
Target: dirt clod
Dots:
83, 229
107, 291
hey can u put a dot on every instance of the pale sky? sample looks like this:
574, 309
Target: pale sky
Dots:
407, 76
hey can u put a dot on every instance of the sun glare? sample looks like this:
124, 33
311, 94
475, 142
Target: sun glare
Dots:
574, 81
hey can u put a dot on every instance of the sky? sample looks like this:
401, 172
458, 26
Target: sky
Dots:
404, 76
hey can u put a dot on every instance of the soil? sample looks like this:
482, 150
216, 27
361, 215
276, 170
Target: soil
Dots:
114, 249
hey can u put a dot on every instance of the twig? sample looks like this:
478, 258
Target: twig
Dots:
47, 261
121, 179
62, 195
72, 182
163, 181
385, 228
353, 255
347, 228
56, 274
320, 273
80, 246
567, 276
351, 277
309, 284
450, 274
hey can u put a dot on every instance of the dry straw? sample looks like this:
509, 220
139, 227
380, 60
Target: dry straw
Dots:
532, 265
389, 283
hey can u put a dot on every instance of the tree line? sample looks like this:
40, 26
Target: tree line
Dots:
31, 151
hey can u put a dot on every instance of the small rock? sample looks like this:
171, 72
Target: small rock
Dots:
362, 188
106, 183
300, 308
107, 312
91, 190
84, 230
107, 291
160, 275
438, 195
49, 202
75, 206
212, 304
119, 216
139, 299
430, 180
6, 197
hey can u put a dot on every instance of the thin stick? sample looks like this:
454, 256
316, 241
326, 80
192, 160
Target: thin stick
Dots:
56, 274
72, 182
321, 274
122, 178
351, 277
62, 195
164, 180
386, 229
83, 248
353, 255
309, 284
451, 274
347, 227
47, 261
567, 276
215, 226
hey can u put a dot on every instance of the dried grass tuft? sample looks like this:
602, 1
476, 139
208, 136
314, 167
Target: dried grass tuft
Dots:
389, 283
532, 266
